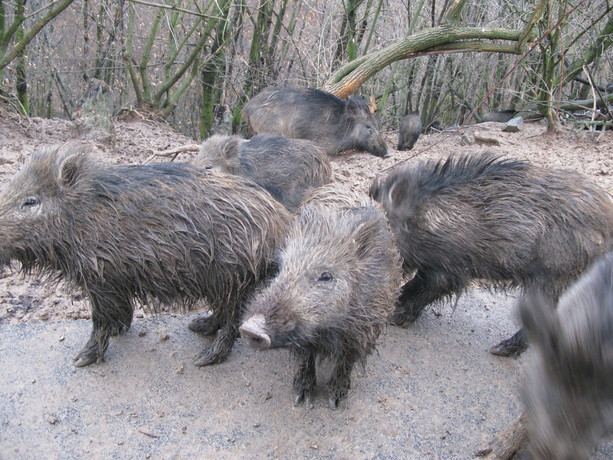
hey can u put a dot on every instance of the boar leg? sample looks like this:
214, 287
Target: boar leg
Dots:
206, 325
513, 346
552, 287
422, 290
304, 380
339, 384
111, 315
223, 341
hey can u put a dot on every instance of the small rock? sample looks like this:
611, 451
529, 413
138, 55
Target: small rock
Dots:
513, 125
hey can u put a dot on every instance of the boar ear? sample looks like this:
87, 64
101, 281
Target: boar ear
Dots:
401, 196
365, 234
541, 322
355, 105
374, 190
71, 168
399, 191
230, 147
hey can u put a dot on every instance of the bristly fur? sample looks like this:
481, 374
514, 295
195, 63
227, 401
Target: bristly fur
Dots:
335, 124
485, 217
156, 233
339, 277
286, 168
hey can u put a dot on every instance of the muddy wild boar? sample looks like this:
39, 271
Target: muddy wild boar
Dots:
286, 168
485, 217
409, 131
500, 116
568, 388
156, 233
338, 280
334, 124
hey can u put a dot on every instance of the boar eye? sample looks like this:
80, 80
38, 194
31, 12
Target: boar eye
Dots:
325, 276
30, 201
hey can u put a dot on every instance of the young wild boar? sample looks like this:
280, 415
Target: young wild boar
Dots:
502, 220
339, 277
500, 116
409, 131
568, 390
157, 233
334, 124
286, 168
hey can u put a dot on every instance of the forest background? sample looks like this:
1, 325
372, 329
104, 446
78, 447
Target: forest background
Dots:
195, 63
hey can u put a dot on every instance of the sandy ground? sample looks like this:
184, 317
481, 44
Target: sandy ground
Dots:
431, 391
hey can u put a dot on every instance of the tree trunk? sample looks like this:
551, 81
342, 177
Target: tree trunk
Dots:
346, 48
210, 76
21, 84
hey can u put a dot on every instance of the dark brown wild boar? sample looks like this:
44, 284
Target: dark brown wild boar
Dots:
335, 124
339, 277
485, 217
157, 234
409, 131
500, 116
286, 168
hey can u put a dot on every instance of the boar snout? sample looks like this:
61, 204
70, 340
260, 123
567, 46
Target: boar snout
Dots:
253, 331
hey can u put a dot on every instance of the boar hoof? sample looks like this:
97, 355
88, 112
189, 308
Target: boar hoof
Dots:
303, 397
337, 393
118, 330
402, 320
511, 347
208, 357
86, 357
206, 325
333, 403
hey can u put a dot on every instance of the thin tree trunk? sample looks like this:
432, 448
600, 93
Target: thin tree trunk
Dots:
21, 84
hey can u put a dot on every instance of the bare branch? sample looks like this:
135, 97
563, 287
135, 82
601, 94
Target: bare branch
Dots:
351, 76
21, 45
174, 8
173, 153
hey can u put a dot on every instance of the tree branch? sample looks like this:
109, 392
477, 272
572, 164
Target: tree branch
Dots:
174, 8
350, 77
452, 15
21, 45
